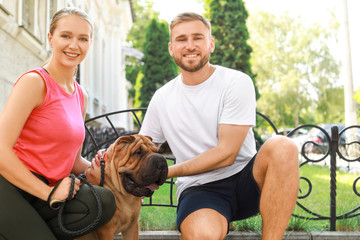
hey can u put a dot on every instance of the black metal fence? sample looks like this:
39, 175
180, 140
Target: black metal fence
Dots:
326, 145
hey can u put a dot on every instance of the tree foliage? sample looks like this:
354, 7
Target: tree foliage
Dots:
143, 14
228, 20
137, 87
296, 72
159, 66
133, 69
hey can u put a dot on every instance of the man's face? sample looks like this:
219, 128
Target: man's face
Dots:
191, 45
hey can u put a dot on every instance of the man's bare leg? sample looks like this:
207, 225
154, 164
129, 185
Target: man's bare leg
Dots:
204, 224
276, 172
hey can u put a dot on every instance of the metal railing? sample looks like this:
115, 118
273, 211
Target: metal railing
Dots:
103, 130
335, 147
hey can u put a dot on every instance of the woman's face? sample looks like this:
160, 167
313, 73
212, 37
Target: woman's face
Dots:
70, 40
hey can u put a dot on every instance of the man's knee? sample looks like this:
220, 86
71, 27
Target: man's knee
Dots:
279, 155
204, 224
281, 143
203, 233
280, 149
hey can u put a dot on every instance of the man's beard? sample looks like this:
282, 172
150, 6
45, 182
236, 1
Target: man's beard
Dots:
192, 68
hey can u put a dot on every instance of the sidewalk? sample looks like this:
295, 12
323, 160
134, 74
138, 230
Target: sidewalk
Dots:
235, 235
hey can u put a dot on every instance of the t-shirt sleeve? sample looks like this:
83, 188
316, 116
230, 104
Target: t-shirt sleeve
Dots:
239, 102
151, 125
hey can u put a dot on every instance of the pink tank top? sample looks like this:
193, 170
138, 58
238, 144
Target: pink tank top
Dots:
53, 133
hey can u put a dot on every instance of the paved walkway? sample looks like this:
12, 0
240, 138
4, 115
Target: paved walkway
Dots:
235, 235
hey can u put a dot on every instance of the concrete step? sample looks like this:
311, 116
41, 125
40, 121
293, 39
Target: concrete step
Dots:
235, 235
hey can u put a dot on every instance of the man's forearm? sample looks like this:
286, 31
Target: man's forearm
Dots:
205, 162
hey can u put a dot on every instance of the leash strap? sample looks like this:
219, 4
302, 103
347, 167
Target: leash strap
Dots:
61, 205
58, 205
54, 204
102, 165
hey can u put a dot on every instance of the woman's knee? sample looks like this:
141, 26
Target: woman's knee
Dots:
88, 206
108, 203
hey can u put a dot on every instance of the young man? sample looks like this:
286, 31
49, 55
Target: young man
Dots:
206, 114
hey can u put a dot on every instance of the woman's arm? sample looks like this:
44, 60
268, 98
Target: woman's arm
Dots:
81, 164
27, 94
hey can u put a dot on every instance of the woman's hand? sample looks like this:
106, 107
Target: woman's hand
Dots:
62, 191
98, 156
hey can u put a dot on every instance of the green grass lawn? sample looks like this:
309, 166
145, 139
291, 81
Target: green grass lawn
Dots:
164, 218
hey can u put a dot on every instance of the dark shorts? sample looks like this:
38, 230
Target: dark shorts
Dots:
236, 197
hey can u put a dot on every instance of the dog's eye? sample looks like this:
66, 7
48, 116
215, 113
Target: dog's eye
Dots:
138, 152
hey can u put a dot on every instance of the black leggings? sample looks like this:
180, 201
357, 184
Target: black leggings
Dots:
23, 216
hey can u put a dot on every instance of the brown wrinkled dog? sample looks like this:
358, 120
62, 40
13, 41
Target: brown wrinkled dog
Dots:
133, 170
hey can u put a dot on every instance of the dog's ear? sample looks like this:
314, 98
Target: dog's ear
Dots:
126, 139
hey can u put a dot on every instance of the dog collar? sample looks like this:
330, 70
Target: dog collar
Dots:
104, 158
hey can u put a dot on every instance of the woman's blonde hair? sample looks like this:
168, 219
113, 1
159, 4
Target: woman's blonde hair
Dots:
66, 12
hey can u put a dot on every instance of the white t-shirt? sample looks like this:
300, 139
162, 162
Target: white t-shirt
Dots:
188, 117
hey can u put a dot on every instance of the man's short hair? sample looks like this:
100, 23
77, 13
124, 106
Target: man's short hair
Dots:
187, 17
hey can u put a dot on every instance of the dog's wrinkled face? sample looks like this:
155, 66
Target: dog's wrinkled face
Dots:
133, 164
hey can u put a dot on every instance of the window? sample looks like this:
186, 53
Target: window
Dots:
52, 8
28, 15
8, 6
34, 18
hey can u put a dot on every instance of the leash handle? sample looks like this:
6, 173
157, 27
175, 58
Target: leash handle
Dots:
55, 203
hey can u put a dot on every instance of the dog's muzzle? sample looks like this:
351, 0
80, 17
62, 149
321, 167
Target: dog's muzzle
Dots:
151, 175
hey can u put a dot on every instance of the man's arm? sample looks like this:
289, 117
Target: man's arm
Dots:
158, 145
231, 138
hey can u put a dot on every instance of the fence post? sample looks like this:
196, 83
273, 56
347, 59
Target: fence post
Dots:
333, 146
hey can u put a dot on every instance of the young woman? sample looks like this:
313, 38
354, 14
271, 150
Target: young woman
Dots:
41, 133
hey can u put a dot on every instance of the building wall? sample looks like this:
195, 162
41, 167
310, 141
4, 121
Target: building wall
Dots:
23, 46
20, 49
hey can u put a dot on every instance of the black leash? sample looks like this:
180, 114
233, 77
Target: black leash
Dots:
92, 225
102, 165
61, 205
